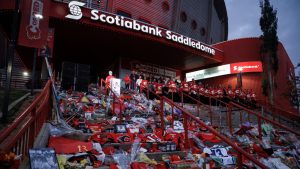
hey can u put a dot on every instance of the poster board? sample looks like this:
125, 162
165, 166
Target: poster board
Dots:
116, 86
43, 158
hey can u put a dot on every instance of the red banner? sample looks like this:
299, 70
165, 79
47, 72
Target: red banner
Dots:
255, 66
34, 23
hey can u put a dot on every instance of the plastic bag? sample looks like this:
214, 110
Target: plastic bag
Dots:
135, 149
122, 159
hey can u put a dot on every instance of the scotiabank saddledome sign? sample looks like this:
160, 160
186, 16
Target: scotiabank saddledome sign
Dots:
233, 68
120, 21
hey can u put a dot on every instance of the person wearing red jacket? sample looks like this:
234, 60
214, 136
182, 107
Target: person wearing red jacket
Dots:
171, 86
201, 92
108, 82
220, 92
207, 91
126, 81
248, 95
158, 87
243, 94
144, 84
213, 92
237, 93
253, 98
185, 87
201, 89
230, 93
193, 87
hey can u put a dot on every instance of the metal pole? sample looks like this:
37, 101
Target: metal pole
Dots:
162, 113
10, 57
33, 71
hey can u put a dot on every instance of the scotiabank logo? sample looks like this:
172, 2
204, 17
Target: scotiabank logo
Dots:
75, 10
246, 67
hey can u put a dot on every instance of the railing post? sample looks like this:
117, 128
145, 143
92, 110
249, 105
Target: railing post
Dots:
259, 127
273, 113
172, 117
113, 104
172, 96
101, 87
240, 160
185, 126
241, 118
248, 117
120, 115
162, 113
229, 118
198, 109
182, 99
147, 93
210, 116
279, 115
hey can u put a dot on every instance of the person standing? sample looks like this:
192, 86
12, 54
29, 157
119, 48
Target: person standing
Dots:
108, 80
133, 79
127, 81
193, 88
185, 86
144, 84
158, 87
138, 83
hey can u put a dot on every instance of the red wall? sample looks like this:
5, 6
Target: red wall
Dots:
248, 49
151, 11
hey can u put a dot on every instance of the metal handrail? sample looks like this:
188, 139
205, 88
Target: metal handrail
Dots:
282, 112
4, 133
31, 120
187, 115
198, 103
260, 117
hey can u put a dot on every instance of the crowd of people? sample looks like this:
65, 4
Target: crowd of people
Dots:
170, 87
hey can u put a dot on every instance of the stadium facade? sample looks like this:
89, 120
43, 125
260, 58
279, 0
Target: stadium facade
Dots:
170, 38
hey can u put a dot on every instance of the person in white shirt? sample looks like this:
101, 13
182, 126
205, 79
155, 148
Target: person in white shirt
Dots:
138, 83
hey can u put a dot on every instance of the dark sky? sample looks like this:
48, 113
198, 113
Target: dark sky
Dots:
243, 18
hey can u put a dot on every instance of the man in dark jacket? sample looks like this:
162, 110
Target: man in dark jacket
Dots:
133, 78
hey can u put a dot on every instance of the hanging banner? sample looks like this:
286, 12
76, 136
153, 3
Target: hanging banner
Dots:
116, 86
34, 23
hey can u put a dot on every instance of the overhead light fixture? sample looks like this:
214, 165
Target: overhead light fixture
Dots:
25, 73
38, 16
